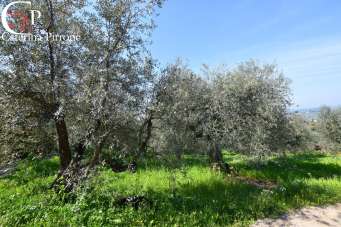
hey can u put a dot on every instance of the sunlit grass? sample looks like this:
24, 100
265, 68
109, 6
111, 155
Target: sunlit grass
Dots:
190, 195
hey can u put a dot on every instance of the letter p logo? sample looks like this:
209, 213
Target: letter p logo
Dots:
33, 15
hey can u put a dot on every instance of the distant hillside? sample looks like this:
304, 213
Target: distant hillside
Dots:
310, 113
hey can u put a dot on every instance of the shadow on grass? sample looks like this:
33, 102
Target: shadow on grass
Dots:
172, 162
297, 166
29, 170
225, 203
213, 201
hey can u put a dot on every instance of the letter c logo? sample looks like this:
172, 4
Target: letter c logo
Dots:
4, 15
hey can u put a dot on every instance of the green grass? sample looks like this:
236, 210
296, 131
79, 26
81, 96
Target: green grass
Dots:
190, 195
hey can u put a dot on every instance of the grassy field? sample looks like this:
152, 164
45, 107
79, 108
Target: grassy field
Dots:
190, 195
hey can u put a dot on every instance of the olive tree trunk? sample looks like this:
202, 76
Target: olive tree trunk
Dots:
63, 143
216, 158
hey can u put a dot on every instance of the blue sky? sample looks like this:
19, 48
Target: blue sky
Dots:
303, 37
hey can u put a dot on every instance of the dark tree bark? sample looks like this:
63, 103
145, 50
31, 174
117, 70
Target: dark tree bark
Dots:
216, 158
215, 153
95, 159
178, 153
62, 132
145, 133
63, 143
79, 151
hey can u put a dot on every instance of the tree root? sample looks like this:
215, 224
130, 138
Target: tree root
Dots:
222, 167
68, 180
118, 166
268, 185
135, 201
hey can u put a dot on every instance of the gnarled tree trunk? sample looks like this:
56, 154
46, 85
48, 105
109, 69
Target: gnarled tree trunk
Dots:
95, 159
145, 133
63, 143
216, 158
79, 151
215, 153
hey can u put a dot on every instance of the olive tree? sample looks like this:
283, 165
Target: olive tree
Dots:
87, 89
301, 133
117, 69
244, 109
180, 110
249, 109
37, 76
329, 122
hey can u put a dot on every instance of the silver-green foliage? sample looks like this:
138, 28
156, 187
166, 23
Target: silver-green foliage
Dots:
329, 122
244, 109
89, 89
